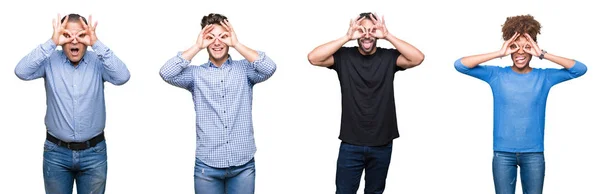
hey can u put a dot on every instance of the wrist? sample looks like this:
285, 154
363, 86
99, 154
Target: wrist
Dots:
542, 54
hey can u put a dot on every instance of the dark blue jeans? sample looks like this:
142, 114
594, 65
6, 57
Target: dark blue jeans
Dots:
353, 159
86, 167
533, 167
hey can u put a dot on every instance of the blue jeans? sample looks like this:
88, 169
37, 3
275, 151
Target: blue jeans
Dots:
62, 166
231, 180
353, 159
533, 167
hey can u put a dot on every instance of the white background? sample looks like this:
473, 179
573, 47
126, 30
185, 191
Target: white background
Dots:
445, 118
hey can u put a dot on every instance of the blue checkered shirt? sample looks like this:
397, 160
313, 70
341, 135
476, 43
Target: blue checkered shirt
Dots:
75, 110
223, 103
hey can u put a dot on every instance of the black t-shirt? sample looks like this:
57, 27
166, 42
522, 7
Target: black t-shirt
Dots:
367, 85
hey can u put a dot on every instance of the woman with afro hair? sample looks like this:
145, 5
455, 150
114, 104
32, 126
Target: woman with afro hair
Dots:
520, 94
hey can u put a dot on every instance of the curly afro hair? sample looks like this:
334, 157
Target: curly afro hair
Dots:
521, 24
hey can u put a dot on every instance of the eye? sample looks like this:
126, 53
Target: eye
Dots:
81, 35
513, 46
67, 35
527, 47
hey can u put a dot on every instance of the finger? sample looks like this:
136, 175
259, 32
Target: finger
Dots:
229, 25
54, 24
95, 25
514, 36
225, 25
360, 20
57, 23
85, 26
382, 20
64, 23
372, 18
90, 21
208, 29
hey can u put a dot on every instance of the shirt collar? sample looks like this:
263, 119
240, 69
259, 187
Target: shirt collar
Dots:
227, 62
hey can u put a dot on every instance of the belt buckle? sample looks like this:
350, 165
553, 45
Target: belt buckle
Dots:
77, 146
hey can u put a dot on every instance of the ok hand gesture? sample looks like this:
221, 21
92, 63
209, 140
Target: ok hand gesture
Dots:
509, 46
61, 36
88, 35
355, 30
205, 38
378, 30
229, 37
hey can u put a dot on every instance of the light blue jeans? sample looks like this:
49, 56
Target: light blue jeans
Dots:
533, 167
231, 180
62, 166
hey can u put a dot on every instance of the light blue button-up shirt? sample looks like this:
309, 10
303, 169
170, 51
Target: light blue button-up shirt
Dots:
74, 94
223, 103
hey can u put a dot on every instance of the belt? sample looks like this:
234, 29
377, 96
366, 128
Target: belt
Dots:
76, 145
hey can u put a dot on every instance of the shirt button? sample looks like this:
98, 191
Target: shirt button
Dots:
223, 111
223, 96
225, 127
221, 81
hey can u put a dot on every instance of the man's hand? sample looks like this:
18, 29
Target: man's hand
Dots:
378, 30
229, 37
355, 30
205, 38
88, 35
60, 35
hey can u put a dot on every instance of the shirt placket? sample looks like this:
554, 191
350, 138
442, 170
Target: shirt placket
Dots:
224, 113
76, 102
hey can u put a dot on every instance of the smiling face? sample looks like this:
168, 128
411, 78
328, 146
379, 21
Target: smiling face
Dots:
74, 49
367, 43
218, 51
521, 58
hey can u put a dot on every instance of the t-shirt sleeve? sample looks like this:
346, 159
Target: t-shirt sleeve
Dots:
337, 58
482, 72
393, 55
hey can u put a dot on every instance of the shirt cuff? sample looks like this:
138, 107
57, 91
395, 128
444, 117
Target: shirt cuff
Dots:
259, 60
100, 48
181, 61
49, 46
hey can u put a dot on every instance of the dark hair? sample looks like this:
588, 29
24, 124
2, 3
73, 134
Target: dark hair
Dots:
521, 24
73, 18
213, 18
367, 15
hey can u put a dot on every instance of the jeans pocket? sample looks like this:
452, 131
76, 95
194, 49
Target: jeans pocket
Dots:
100, 147
49, 146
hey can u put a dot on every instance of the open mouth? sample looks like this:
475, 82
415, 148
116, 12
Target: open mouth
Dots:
74, 51
367, 43
520, 59
217, 50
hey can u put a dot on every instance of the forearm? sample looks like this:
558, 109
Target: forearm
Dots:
248, 53
29, 67
115, 70
323, 52
191, 52
412, 55
472, 61
566, 63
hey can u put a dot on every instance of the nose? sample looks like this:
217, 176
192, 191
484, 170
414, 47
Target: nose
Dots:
521, 50
74, 41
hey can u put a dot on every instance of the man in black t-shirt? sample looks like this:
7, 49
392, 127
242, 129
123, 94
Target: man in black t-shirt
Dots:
368, 123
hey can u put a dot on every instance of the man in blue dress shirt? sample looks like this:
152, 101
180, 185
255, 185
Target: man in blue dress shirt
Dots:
75, 149
222, 94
